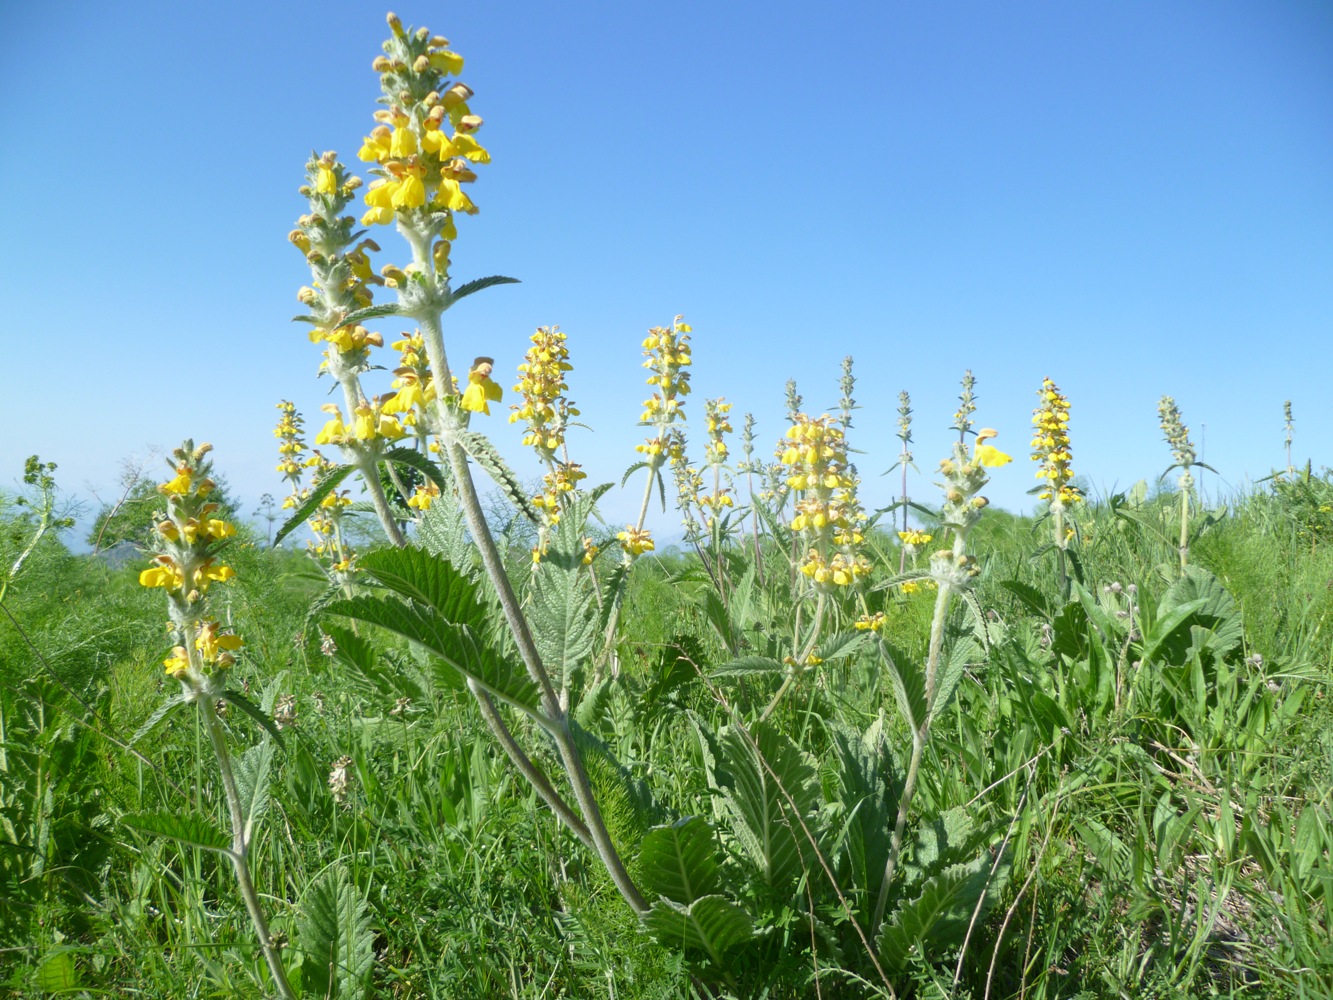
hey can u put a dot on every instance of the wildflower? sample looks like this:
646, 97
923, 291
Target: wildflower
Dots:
284, 712
987, 454
871, 622
339, 777
827, 511
1050, 446
480, 391
636, 541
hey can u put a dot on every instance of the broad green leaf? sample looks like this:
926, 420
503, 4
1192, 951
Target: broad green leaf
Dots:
712, 924
251, 770
562, 609
479, 448
938, 918
336, 939
187, 827
765, 773
264, 719
1030, 596
427, 579
415, 460
679, 861
443, 532
747, 666
327, 485
909, 684
371, 312
455, 645
965, 653
843, 644
159, 714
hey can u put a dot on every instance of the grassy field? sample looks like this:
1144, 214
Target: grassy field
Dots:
1129, 793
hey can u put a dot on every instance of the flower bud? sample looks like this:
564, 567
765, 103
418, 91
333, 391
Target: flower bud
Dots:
395, 23
380, 65
421, 64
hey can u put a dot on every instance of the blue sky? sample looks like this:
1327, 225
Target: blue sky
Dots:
1131, 198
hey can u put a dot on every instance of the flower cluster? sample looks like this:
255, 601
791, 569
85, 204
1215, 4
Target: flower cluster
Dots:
1176, 433
667, 354
1050, 446
290, 443
964, 476
423, 146
828, 514
541, 382
190, 540
636, 541
718, 425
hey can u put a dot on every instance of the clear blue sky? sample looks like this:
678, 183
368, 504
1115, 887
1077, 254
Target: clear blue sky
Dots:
1132, 198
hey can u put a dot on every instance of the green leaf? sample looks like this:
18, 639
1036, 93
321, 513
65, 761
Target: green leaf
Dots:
187, 827
938, 918
843, 644
327, 485
477, 284
563, 609
336, 939
443, 532
909, 684
747, 666
455, 645
1217, 614
679, 861
255, 712
371, 312
251, 770
965, 653
415, 460
759, 811
159, 713
480, 449
1029, 595
428, 579
712, 924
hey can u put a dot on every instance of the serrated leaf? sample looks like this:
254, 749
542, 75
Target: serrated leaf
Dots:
327, 485
251, 770
760, 811
454, 645
480, 450
443, 532
843, 644
965, 653
747, 666
477, 284
159, 714
187, 827
938, 918
425, 578
712, 924
1032, 598
371, 312
908, 681
251, 709
415, 460
679, 861
336, 939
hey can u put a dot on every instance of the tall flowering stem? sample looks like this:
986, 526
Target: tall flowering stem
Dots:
187, 563
1050, 447
904, 462
1182, 449
1289, 425
342, 285
423, 150
953, 570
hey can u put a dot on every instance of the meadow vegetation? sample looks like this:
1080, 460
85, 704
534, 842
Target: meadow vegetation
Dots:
472, 740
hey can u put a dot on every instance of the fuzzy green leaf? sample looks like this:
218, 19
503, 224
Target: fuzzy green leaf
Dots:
938, 918
479, 449
419, 576
251, 769
159, 714
477, 284
760, 813
747, 666
327, 485
455, 645
679, 861
187, 827
415, 460
909, 683
712, 924
336, 939
371, 312
255, 712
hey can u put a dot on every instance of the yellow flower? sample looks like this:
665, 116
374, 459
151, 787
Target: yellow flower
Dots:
178, 662
165, 574
480, 391
636, 541
987, 454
